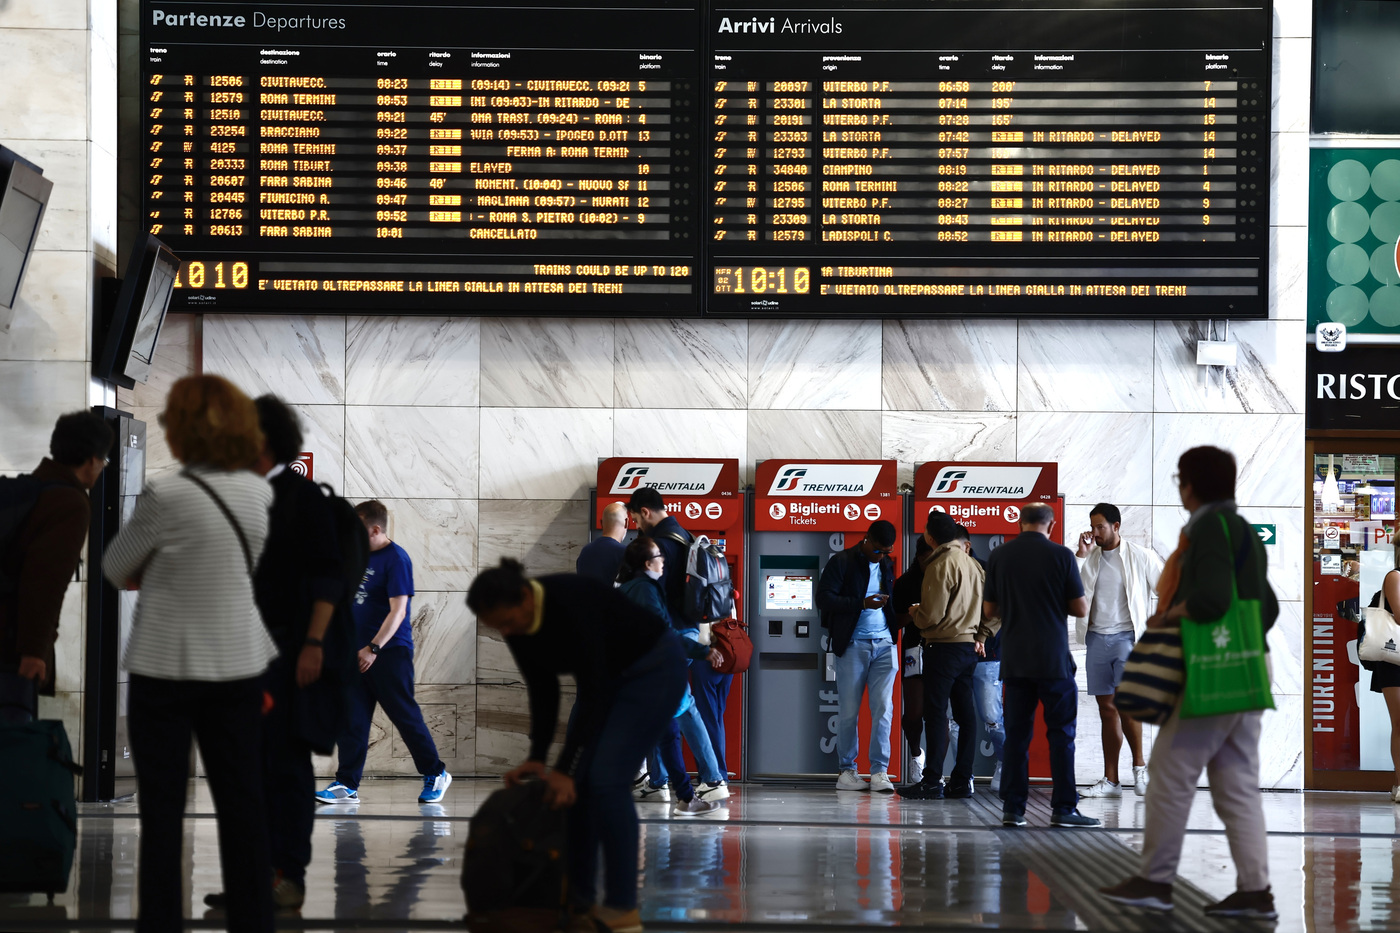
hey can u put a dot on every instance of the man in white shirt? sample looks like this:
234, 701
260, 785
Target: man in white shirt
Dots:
1120, 582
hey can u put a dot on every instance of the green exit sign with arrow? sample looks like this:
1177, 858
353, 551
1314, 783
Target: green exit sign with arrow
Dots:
1267, 533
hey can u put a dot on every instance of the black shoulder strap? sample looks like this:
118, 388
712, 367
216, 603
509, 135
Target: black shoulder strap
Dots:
672, 536
237, 528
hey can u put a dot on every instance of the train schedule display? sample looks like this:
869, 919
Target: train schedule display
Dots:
866, 159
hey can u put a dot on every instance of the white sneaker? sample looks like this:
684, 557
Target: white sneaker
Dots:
916, 768
1395, 794
1140, 780
849, 780
717, 791
1104, 788
645, 791
880, 783
696, 807
996, 780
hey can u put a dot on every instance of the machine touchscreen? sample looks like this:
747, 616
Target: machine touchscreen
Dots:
793, 592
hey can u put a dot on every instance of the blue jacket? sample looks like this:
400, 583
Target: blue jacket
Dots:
841, 595
646, 592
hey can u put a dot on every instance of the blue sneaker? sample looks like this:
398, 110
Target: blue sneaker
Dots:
434, 786
337, 793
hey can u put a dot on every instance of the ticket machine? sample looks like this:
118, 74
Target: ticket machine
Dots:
987, 498
704, 496
804, 512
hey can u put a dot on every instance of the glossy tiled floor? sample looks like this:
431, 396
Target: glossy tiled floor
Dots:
797, 858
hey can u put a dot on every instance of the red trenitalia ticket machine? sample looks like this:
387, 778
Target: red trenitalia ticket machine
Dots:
804, 513
704, 496
987, 498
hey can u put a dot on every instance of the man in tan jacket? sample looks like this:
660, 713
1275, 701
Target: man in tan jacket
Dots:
949, 617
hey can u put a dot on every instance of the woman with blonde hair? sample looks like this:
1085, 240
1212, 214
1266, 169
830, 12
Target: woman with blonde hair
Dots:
198, 648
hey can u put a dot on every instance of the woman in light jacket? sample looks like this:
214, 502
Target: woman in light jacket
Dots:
198, 648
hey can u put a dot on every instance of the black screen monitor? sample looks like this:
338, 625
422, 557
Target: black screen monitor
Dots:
136, 318
24, 193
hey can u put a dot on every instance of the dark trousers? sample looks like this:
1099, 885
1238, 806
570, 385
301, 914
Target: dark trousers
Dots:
1061, 701
289, 782
604, 815
711, 691
19, 698
226, 719
948, 679
387, 683
669, 751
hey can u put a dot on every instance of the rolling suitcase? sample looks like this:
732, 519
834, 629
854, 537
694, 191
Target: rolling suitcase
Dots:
38, 810
514, 871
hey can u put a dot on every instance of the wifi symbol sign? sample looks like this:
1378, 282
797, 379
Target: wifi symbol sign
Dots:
302, 465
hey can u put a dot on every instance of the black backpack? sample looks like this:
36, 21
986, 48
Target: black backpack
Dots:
709, 593
18, 496
514, 871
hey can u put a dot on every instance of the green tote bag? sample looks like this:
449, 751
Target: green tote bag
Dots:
1227, 670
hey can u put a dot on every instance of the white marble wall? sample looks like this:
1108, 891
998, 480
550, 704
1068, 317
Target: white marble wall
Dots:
58, 64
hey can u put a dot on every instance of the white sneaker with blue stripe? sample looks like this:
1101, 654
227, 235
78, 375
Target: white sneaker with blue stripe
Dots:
337, 793
434, 786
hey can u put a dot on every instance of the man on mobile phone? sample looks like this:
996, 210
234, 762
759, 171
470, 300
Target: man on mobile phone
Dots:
853, 596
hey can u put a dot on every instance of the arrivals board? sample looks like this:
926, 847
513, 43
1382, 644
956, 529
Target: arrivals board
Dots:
865, 159
1018, 157
433, 156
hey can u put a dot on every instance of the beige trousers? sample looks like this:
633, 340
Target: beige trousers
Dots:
1227, 747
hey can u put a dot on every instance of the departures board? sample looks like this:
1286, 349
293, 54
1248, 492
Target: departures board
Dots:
879, 159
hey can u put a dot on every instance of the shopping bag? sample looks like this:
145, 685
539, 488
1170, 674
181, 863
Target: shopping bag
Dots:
1226, 667
1152, 677
1379, 635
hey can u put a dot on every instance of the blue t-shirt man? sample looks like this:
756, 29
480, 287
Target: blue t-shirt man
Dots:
871, 625
389, 574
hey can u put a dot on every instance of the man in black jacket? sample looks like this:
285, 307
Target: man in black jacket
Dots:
854, 598
298, 585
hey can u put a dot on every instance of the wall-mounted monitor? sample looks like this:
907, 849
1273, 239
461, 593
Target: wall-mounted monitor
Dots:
24, 194
789, 592
134, 321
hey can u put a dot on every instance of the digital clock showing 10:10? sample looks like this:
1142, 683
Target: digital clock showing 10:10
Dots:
221, 274
763, 280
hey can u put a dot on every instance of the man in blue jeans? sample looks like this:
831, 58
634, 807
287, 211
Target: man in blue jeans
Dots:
853, 596
381, 609
1032, 584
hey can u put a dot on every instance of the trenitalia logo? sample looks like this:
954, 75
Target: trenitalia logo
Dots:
825, 479
984, 482
689, 479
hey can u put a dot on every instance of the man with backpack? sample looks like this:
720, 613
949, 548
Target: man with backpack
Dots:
299, 586
43, 523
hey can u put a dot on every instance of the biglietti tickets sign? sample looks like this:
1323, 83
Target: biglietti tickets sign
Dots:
701, 494
987, 497
1357, 389
824, 495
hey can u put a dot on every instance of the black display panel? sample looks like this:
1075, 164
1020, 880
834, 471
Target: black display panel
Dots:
1356, 68
428, 157
1022, 157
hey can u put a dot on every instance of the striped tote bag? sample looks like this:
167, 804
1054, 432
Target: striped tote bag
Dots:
1152, 677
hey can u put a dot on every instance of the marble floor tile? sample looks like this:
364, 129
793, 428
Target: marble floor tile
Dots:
444, 639
543, 534
440, 537
1288, 273
650, 432
1084, 366
949, 365
503, 727
543, 453
300, 359
814, 364
174, 360
411, 452
546, 363
36, 393
412, 360
841, 435
1103, 456
650, 353
1268, 377
1268, 451
915, 437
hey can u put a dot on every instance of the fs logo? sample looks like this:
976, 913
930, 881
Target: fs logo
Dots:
631, 478
788, 481
947, 482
